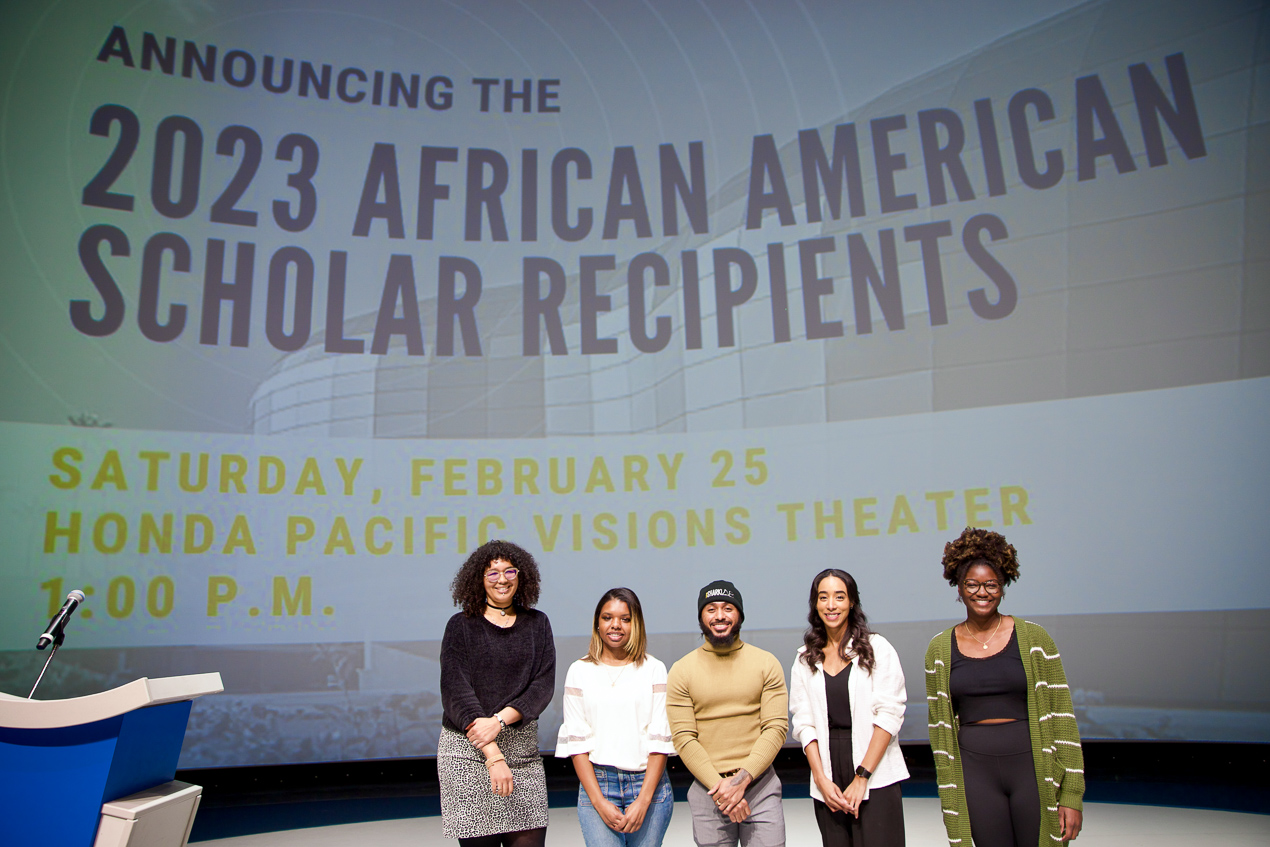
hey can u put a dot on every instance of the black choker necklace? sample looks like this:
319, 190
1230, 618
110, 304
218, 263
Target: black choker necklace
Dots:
502, 610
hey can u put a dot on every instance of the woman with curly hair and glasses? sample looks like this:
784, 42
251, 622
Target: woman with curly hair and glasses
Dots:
498, 673
1007, 749
847, 696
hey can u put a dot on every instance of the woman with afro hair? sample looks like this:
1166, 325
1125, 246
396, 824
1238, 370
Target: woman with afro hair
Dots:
1002, 729
498, 673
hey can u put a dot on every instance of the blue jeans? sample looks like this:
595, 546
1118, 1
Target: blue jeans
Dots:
621, 788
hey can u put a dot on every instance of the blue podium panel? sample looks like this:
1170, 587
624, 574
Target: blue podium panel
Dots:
58, 778
148, 749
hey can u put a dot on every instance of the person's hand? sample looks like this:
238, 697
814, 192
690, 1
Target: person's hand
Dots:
634, 817
610, 814
500, 778
853, 795
1069, 823
740, 811
832, 794
483, 731
730, 791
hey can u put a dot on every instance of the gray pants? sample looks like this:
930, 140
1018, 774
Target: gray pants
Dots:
765, 827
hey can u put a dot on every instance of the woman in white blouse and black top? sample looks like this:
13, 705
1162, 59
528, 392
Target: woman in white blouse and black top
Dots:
615, 730
847, 696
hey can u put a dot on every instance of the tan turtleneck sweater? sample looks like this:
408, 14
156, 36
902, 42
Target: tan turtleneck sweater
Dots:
728, 709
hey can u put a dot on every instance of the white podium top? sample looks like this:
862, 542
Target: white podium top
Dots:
20, 713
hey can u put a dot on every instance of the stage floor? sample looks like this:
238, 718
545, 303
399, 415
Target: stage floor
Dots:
1106, 825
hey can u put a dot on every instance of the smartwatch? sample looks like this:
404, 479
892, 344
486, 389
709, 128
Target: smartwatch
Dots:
860, 771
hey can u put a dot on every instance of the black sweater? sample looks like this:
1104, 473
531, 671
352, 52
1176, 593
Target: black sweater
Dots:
485, 667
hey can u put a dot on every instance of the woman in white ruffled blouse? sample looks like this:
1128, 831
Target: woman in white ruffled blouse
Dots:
615, 730
847, 696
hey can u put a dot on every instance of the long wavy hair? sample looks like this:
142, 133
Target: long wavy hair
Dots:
817, 636
637, 644
468, 586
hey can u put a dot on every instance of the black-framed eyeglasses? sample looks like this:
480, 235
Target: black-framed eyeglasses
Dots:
973, 585
492, 576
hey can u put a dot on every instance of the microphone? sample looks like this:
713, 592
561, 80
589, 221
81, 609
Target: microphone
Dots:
63, 616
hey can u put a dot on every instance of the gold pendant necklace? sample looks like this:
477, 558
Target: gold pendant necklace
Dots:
615, 677
984, 644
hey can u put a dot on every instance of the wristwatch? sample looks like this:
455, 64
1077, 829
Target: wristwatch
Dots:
500, 720
860, 771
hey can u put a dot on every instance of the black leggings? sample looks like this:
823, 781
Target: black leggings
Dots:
1001, 793
524, 838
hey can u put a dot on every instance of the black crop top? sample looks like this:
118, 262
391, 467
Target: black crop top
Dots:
838, 698
992, 687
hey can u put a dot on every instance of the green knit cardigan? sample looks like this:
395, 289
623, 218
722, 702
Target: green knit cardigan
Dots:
1060, 767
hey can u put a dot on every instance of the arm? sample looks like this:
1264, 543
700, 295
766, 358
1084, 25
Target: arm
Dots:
1070, 822
941, 725
853, 794
458, 698
1068, 754
773, 720
833, 797
659, 748
659, 740
609, 813
531, 702
500, 775
576, 740
683, 726
890, 694
482, 731
939, 722
889, 703
774, 728
683, 730
576, 734
803, 728
652, 776
803, 725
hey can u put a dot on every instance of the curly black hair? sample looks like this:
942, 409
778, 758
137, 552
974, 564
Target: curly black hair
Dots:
817, 635
468, 586
975, 546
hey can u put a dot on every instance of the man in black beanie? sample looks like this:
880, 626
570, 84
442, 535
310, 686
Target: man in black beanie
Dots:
720, 591
728, 711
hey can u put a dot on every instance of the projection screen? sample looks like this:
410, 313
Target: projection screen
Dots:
303, 301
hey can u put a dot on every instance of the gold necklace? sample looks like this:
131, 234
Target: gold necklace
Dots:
984, 644
615, 677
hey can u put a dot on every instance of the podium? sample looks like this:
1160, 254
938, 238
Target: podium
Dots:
66, 763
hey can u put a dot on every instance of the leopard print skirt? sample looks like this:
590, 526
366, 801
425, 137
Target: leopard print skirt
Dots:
469, 806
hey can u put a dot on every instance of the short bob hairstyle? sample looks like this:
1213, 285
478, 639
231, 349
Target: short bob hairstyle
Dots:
468, 586
637, 644
975, 546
